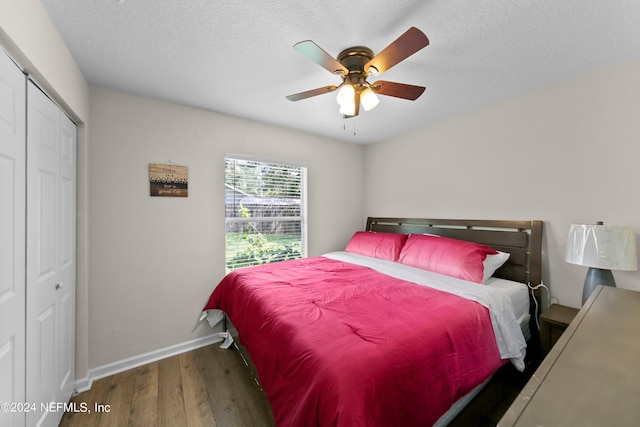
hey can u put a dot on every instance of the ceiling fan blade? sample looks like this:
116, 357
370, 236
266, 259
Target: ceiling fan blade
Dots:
399, 90
403, 47
320, 57
310, 93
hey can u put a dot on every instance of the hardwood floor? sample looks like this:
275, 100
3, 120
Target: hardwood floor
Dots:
210, 387
204, 387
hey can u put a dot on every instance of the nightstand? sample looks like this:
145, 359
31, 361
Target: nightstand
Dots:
553, 322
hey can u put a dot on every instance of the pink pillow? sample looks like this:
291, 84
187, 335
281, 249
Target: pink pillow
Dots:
443, 255
377, 245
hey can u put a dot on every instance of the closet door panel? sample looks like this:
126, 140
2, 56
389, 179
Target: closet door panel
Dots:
42, 374
42, 254
43, 195
12, 244
50, 266
67, 290
68, 192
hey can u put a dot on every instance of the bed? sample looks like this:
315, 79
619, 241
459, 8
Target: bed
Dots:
374, 335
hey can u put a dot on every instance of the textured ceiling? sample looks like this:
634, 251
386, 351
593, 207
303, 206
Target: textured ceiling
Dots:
236, 57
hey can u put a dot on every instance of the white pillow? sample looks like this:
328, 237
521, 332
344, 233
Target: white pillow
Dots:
493, 262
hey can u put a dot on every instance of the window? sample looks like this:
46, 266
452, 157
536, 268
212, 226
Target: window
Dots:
264, 212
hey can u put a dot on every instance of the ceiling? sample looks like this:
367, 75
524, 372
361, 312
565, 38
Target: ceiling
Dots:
236, 57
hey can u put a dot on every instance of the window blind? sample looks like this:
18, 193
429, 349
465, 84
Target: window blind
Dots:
264, 212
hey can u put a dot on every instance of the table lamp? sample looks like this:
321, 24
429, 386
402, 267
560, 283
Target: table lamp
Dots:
602, 248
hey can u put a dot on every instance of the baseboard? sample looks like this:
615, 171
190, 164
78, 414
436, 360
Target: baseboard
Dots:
84, 384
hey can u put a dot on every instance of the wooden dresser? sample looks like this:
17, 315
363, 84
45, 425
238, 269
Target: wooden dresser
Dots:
591, 376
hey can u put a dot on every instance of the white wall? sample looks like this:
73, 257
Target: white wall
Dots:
155, 260
566, 153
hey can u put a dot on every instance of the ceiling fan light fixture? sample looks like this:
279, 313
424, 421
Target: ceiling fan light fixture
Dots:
369, 99
346, 94
348, 108
355, 64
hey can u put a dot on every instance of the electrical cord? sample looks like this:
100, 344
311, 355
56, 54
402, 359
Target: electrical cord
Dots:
534, 288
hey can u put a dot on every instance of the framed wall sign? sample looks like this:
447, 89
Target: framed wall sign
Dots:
168, 180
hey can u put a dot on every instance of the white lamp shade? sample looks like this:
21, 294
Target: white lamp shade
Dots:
346, 94
609, 247
348, 108
369, 99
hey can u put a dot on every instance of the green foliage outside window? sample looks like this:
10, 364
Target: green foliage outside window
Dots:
256, 248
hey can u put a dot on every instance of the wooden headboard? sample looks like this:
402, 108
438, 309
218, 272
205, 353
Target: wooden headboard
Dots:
522, 239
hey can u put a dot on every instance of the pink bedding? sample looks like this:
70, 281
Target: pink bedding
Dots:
337, 344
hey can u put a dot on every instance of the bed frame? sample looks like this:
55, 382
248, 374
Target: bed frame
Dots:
521, 239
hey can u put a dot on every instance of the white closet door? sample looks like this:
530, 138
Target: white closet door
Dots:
12, 245
50, 269
66, 367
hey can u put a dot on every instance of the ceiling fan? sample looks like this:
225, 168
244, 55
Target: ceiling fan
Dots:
356, 64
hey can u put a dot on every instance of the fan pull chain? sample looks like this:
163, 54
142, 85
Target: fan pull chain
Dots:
344, 125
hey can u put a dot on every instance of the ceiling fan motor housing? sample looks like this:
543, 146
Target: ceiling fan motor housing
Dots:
354, 59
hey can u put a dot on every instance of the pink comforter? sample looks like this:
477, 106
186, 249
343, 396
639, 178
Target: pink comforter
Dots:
336, 344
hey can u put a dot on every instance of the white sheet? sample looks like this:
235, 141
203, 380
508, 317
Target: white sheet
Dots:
506, 327
518, 293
